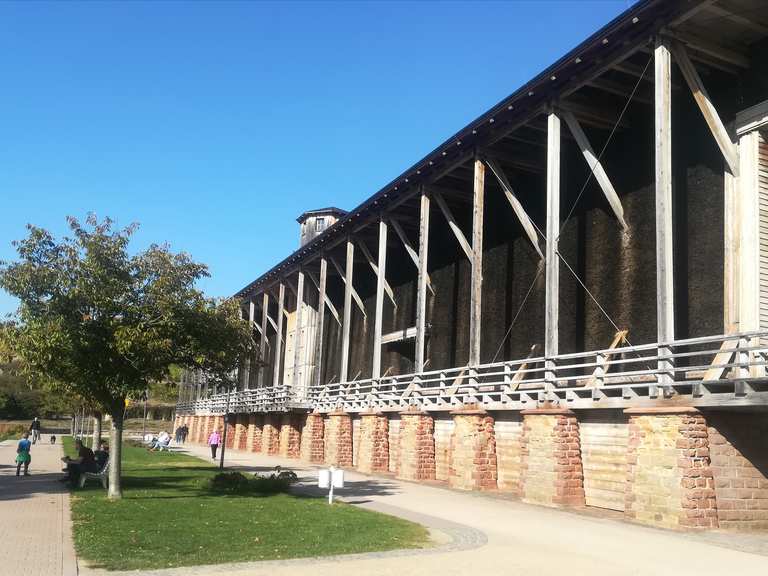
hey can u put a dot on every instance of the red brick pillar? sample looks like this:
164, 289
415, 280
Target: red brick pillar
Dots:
670, 481
255, 426
312, 439
241, 431
416, 453
338, 439
373, 449
290, 436
231, 423
270, 435
472, 453
551, 473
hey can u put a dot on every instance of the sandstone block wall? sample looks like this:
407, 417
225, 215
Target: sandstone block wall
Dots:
416, 457
508, 428
551, 454
338, 439
472, 454
312, 445
738, 445
373, 443
443, 431
670, 480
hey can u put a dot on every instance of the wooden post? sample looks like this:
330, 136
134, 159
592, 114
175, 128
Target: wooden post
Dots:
279, 338
380, 284
475, 308
320, 321
732, 253
263, 344
348, 273
665, 309
251, 321
297, 383
552, 269
749, 298
421, 294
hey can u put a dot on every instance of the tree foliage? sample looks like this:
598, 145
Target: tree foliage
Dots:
104, 324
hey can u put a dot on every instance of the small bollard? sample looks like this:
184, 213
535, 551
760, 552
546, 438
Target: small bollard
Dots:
330, 478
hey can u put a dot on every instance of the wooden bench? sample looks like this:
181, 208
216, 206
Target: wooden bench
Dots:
102, 475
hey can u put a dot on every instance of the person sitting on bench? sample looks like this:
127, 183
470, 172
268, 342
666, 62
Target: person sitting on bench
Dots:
102, 456
85, 462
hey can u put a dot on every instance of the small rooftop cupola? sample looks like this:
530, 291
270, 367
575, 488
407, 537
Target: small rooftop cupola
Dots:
315, 222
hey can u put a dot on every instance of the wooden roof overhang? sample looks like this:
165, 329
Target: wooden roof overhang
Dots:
606, 64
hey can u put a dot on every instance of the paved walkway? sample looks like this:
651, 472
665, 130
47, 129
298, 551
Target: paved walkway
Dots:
35, 528
494, 535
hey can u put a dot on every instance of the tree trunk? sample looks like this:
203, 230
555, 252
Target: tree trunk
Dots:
115, 456
73, 425
96, 430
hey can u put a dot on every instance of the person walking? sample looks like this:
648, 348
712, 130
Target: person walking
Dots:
184, 432
35, 429
213, 441
23, 457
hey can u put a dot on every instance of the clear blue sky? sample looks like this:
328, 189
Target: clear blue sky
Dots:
214, 125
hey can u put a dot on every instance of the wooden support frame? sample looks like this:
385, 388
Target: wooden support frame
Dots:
375, 267
452, 223
595, 165
381, 284
279, 338
297, 334
348, 281
263, 345
704, 102
665, 308
525, 221
346, 325
475, 306
251, 323
318, 284
320, 327
422, 283
552, 262
397, 227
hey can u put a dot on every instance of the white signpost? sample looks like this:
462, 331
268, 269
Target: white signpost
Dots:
330, 478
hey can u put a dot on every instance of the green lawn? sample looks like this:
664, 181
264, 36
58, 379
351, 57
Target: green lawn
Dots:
167, 518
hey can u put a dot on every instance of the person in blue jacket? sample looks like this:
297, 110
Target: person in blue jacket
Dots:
23, 457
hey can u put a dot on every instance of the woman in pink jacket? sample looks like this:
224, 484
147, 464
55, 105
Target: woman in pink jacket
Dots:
213, 441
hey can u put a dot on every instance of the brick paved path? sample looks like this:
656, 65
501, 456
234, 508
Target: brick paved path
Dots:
35, 528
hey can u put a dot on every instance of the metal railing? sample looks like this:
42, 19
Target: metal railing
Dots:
713, 370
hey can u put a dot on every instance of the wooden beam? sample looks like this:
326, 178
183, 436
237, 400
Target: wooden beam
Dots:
297, 334
399, 335
749, 200
732, 13
279, 339
452, 223
408, 248
349, 270
552, 269
251, 321
618, 89
665, 308
263, 346
318, 285
381, 281
596, 166
704, 102
517, 207
475, 306
344, 278
726, 54
421, 284
375, 268
321, 299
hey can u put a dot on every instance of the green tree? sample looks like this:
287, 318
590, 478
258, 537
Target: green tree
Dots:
103, 324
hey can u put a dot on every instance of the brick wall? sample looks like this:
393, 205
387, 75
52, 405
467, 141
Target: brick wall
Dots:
312, 441
508, 430
338, 439
551, 458
737, 443
373, 443
416, 454
472, 456
255, 425
394, 441
670, 482
241, 431
355, 438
